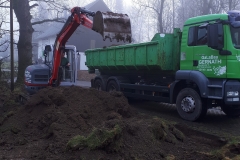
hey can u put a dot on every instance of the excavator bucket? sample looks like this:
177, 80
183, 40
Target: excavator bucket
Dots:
113, 26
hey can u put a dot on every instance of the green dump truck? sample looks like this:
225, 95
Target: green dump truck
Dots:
196, 69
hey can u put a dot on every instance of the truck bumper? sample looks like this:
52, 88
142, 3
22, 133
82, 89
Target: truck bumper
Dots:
232, 93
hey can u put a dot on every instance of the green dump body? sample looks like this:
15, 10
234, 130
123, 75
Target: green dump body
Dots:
162, 53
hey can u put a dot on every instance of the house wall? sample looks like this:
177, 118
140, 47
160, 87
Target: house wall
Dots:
82, 73
82, 60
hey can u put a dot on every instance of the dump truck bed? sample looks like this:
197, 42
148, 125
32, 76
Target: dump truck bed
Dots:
162, 53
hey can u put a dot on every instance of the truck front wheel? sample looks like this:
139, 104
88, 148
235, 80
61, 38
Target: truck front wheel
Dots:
189, 105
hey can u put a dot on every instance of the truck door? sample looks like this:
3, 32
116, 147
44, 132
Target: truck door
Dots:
205, 59
69, 72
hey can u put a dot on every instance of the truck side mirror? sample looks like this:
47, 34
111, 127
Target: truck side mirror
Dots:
48, 48
215, 36
45, 53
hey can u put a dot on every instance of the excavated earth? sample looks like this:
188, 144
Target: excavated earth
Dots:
81, 123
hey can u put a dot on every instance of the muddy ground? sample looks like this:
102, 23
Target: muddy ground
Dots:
81, 123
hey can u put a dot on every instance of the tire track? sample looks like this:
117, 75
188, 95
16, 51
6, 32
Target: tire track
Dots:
215, 122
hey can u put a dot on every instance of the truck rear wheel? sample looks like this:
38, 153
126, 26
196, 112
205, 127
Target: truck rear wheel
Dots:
98, 84
113, 86
189, 105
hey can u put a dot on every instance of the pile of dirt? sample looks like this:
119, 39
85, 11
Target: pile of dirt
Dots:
8, 99
81, 123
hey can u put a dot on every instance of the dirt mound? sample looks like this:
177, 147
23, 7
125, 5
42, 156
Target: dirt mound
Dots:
8, 99
80, 123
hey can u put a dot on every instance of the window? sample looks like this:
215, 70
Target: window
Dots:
202, 36
235, 33
220, 36
198, 35
191, 36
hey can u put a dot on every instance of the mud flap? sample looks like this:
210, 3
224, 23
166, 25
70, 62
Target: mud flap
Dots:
113, 26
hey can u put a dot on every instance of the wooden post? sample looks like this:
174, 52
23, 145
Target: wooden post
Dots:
11, 45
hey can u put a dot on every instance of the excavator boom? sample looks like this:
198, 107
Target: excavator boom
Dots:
109, 25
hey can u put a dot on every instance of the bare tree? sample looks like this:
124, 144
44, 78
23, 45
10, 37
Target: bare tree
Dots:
4, 38
119, 6
156, 6
24, 11
1, 63
230, 5
189, 8
111, 4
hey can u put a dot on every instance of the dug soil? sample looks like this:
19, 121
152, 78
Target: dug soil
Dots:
81, 123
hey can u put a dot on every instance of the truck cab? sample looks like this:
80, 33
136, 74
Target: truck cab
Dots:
212, 45
210, 54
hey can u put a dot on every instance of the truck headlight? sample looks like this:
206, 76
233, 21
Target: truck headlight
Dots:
28, 77
232, 93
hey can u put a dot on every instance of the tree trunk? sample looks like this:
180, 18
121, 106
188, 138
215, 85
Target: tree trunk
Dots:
230, 5
1, 62
22, 12
160, 17
206, 7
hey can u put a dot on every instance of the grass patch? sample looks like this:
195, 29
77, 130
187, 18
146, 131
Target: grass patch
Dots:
229, 150
98, 138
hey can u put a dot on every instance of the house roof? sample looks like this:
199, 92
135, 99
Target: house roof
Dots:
55, 27
97, 5
52, 30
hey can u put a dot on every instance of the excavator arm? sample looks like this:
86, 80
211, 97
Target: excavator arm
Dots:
103, 24
78, 17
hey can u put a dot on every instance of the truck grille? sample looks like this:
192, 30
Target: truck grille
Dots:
41, 78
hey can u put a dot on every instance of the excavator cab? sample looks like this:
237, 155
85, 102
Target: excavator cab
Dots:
113, 26
68, 72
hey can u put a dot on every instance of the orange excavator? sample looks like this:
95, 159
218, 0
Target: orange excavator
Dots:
109, 25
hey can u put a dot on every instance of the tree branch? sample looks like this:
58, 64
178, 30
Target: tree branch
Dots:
1, 3
34, 5
1, 60
4, 6
4, 45
62, 20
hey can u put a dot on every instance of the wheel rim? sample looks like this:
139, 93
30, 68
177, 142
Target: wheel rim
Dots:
188, 104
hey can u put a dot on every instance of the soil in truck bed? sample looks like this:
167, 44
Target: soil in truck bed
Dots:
81, 123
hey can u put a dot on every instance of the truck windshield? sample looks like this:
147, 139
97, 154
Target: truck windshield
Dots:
235, 33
